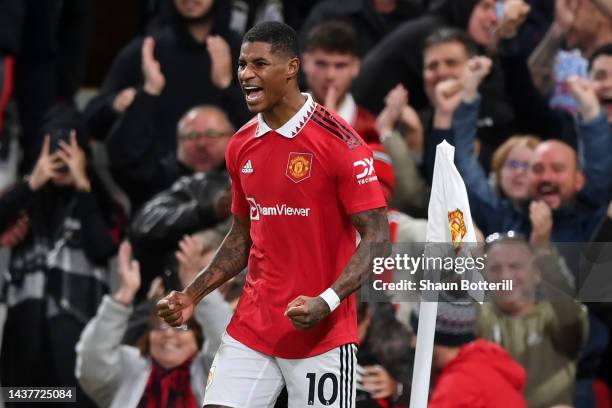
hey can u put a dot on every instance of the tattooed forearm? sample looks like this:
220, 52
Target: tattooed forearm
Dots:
373, 228
230, 259
542, 59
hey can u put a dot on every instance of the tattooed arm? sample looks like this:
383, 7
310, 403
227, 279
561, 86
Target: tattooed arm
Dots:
373, 228
230, 259
542, 59
605, 6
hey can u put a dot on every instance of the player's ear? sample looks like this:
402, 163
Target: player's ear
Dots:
293, 67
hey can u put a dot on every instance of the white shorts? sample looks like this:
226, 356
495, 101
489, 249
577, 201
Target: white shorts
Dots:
241, 377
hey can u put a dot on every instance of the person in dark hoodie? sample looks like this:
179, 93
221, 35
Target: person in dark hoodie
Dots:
470, 372
154, 80
398, 58
58, 273
402, 58
201, 137
372, 20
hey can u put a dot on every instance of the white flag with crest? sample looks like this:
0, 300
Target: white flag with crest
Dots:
449, 221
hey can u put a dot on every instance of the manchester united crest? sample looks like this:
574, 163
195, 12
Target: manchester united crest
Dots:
457, 227
299, 166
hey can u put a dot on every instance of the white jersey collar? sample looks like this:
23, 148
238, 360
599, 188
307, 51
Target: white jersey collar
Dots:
293, 126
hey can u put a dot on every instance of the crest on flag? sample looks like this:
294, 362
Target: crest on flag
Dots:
299, 166
456, 222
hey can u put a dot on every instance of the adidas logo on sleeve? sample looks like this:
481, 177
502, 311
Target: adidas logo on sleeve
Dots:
248, 168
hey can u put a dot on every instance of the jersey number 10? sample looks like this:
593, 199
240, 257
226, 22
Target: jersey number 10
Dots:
312, 380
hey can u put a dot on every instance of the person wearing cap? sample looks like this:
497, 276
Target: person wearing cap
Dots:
470, 372
539, 322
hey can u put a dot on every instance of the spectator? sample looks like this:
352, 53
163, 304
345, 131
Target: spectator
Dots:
58, 270
404, 229
538, 321
582, 25
574, 220
532, 81
557, 184
600, 73
421, 53
194, 203
43, 53
470, 372
399, 57
372, 20
331, 63
401, 132
511, 160
202, 135
247, 13
384, 356
153, 81
170, 366
446, 55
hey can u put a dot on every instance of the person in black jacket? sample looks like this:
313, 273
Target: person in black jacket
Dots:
57, 273
398, 57
194, 203
372, 20
188, 62
202, 134
386, 66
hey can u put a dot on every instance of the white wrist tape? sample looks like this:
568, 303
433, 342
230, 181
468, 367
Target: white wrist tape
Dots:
331, 298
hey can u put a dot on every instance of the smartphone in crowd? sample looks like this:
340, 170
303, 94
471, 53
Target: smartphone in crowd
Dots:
567, 64
57, 135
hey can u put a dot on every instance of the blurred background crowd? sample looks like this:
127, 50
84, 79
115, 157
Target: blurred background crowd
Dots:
114, 120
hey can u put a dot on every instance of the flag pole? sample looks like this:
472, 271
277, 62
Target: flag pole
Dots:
424, 350
448, 195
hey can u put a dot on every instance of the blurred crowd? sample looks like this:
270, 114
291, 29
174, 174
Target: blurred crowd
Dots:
107, 206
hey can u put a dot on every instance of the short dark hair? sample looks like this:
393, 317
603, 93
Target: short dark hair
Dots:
280, 36
333, 36
605, 50
446, 35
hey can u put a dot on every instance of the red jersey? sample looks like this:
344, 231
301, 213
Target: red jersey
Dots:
298, 184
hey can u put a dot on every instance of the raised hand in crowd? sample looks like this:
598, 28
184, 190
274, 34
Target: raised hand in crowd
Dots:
395, 100
129, 275
16, 232
154, 80
190, 258
515, 13
476, 69
156, 289
413, 133
447, 97
378, 382
46, 168
76, 161
585, 94
397, 111
124, 99
565, 14
221, 61
540, 216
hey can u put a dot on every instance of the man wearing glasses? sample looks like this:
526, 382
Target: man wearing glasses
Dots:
203, 133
